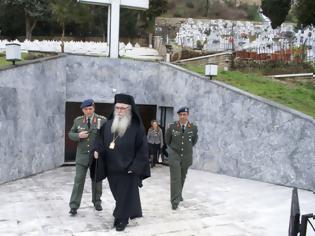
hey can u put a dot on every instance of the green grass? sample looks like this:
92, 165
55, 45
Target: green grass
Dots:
299, 96
25, 56
200, 69
3, 62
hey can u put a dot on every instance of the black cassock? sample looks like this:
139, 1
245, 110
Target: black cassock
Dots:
129, 154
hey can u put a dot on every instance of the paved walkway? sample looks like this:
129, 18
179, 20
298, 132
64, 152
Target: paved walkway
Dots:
213, 205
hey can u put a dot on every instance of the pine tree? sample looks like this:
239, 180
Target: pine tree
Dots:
305, 12
276, 11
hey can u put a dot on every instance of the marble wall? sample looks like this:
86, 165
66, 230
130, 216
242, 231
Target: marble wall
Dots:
32, 117
240, 134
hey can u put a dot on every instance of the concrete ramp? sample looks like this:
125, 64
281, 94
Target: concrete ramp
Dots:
214, 205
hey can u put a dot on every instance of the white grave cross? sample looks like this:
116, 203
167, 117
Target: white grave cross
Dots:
114, 17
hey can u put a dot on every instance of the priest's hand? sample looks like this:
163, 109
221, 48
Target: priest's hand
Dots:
83, 134
129, 172
95, 154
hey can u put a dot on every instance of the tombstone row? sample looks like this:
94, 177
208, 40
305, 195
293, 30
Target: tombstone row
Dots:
80, 47
221, 35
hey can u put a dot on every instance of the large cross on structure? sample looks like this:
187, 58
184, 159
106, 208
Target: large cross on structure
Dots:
114, 17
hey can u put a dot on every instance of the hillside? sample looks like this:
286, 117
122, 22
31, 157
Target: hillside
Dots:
223, 9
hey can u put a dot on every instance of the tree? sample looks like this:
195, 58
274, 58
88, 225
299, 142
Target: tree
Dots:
156, 8
305, 12
276, 11
34, 10
8, 27
67, 11
128, 22
207, 8
99, 19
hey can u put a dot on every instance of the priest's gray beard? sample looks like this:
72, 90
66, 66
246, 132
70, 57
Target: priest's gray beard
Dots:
120, 124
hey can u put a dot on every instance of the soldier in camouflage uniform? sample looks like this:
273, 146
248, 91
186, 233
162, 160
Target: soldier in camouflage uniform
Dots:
84, 131
180, 137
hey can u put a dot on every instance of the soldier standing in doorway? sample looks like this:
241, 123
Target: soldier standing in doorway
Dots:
180, 137
84, 131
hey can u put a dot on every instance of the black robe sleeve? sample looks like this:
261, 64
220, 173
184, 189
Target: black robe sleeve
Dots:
98, 170
141, 164
99, 143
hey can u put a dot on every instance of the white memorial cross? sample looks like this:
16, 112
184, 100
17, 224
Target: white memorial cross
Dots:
114, 17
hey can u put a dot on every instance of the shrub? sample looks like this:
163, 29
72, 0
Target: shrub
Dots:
190, 4
199, 45
229, 3
251, 11
177, 14
272, 67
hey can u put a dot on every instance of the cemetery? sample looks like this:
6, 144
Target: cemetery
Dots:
253, 40
250, 153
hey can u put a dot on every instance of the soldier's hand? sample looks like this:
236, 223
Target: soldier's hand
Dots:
83, 134
95, 154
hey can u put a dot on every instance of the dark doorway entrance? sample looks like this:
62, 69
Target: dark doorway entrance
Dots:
147, 112
166, 117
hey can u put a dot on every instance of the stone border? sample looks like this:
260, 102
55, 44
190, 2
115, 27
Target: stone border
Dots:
28, 62
205, 57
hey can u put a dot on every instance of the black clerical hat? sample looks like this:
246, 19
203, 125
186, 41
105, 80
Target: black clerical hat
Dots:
124, 98
127, 99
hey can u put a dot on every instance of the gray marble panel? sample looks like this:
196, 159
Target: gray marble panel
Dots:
32, 115
8, 99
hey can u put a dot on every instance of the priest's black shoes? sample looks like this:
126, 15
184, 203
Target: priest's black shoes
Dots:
98, 207
120, 226
73, 211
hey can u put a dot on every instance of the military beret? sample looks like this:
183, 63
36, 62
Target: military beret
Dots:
87, 103
183, 109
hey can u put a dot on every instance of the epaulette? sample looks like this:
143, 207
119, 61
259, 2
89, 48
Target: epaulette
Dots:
103, 117
170, 124
79, 117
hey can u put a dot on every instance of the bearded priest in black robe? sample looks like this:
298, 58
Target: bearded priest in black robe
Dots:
122, 144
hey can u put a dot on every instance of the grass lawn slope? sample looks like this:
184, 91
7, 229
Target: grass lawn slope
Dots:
299, 94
